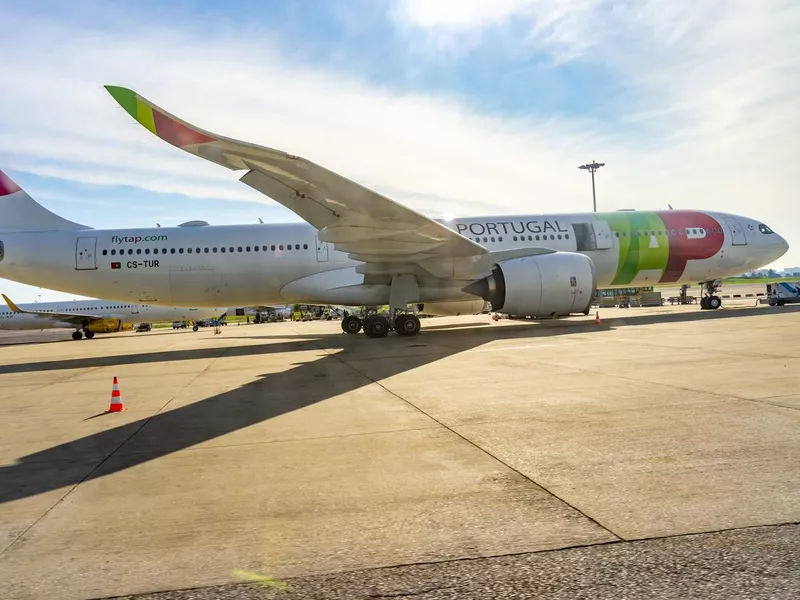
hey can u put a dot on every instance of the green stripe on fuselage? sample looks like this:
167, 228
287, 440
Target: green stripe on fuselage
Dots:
639, 251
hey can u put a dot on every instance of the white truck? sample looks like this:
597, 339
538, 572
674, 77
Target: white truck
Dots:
783, 292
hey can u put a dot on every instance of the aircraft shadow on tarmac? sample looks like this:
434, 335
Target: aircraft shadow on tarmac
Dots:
272, 395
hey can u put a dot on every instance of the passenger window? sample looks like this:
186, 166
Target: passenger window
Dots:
172, 250
280, 247
239, 249
147, 250
230, 249
205, 250
188, 250
289, 247
246, 248
113, 252
180, 250
492, 239
559, 236
138, 251
566, 236
305, 246
105, 252
272, 247
537, 238
214, 250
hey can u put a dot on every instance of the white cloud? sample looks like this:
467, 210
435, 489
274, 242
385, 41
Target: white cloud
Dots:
709, 94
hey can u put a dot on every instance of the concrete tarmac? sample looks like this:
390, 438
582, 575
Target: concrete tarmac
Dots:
296, 452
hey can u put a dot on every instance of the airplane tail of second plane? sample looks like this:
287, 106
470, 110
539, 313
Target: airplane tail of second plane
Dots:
20, 212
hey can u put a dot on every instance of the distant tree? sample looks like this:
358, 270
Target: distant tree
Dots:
772, 273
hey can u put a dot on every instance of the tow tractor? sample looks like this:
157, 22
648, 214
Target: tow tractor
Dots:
783, 292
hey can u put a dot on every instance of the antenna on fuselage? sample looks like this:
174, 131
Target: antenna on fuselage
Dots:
260, 221
670, 206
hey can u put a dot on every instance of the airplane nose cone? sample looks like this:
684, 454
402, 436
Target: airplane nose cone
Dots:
783, 247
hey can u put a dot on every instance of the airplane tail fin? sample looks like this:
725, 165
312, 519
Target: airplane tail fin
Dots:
20, 212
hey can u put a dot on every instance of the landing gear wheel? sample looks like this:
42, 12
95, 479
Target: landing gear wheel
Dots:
406, 325
195, 328
376, 326
351, 324
77, 335
89, 335
714, 302
703, 303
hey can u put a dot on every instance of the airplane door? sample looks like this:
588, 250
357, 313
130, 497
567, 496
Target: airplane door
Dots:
602, 234
85, 258
322, 250
737, 233
134, 309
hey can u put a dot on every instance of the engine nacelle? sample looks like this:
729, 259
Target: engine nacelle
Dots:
452, 309
104, 326
545, 285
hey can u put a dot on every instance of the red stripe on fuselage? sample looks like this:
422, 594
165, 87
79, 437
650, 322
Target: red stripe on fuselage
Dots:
685, 246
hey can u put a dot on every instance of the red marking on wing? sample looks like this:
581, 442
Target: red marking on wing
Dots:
7, 186
176, 133
683, 248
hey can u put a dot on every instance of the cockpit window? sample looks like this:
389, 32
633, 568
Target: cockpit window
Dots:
764, 229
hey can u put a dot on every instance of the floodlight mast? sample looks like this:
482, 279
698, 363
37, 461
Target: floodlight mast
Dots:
592, 167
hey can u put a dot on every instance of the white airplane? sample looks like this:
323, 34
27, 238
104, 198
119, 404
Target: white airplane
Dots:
359, 248
88, 317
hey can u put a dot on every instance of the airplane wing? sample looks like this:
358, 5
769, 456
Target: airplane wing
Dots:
76, 318
366, 225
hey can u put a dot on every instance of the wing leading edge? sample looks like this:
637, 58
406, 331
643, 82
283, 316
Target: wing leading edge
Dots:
366, 225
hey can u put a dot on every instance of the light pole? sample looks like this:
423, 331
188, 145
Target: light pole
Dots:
592, 167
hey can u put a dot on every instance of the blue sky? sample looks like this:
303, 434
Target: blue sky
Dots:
461, 107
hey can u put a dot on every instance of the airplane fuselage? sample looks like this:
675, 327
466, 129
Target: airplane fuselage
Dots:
242, 265
123, 312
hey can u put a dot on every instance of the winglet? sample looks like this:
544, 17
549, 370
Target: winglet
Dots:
166, 126
11, 305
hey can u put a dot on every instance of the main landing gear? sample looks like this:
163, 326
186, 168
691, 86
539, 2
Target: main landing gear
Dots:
78, 334
378, 326
710, 300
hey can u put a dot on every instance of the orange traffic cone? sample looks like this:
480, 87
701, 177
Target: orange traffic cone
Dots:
116, 398
597, 318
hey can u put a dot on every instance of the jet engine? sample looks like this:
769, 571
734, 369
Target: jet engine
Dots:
545, 285
452, 309
104, 326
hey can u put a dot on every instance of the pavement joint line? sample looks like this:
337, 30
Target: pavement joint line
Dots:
481, 449
744, 353
466, 559
669, 385
288, 440
104, 460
